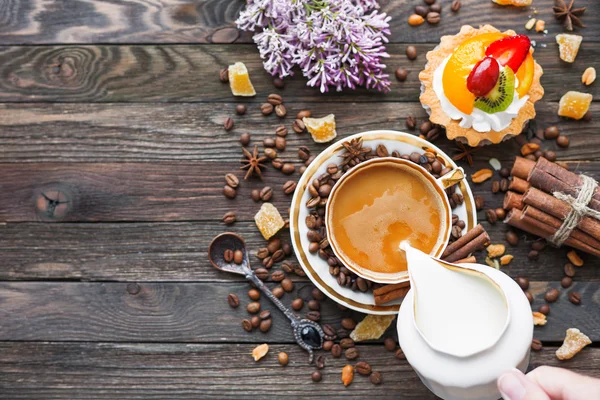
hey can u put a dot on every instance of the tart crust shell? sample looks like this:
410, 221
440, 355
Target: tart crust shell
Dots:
431, 103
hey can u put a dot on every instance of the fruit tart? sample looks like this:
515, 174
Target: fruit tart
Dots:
481, 84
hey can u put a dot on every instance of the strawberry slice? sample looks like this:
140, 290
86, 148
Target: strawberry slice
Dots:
510, 51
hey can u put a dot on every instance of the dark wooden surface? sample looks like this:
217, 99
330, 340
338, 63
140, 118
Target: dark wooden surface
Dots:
118, 106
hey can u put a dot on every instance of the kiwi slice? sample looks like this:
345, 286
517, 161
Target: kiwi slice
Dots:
501, 96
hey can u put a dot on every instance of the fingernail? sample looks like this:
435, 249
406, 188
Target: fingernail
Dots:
511, 386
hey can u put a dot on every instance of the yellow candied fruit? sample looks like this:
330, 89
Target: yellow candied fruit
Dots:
239, 80
539, 319
322, 130
575, 341
517, 3
371, 327
574, 104
568, 46
268, 220
260, 351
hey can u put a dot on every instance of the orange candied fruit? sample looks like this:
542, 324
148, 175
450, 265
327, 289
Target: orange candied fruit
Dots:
239, 80
371, 327
517, 3
322, 130
568, 46
574, 104
268, 220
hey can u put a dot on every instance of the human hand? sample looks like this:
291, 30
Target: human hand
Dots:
548, 383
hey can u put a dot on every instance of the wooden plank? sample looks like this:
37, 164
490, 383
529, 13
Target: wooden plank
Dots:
199, 312
191, 371
186, 73
133, 132
213, 21
147, 252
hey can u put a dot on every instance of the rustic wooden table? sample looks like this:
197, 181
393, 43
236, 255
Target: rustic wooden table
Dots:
117, 108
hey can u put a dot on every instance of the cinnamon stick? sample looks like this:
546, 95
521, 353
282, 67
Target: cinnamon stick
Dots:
516, 218
522, 167
556, 223
513, 200
549, 184
388, 293
560, 174
559, 209
473, 240
462, 241
518, 185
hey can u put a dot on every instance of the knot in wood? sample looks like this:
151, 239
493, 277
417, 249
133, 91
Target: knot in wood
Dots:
53, 204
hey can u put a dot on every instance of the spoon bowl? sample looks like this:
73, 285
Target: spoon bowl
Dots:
228, 241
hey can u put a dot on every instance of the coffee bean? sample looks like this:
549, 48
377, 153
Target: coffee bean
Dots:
287, 285
522, 282
266, 193
314, 305
479, 202
329, 331
310, 160
569, 270
224, 75
433, 17
255, 321
228, 255
254, 294
297, 304
538, 245
266, 109
261, 273
281, 131
265, 314
529, 296
320, 362
233, 300
313, 316
455, 6
336, 350
562, 141
228, 124
229, 218
313, 247
279, 84
389, 344
229, 192
495, 186
363, 368
280, 110
504, 183
240, 109
278, 292
550, 155
536, 345
283, 358
429, 2
274, 99
552, 295
278, 256
280, 143
288, 168
255, 194
346, 343
238, 257
262, 253
273, 245
324, 190
512, 238
544, 309
456, 232
298, 126
269, 142
533, 255
245, 139
277, 276
351, 353
401, 74
551, 132
411, 52
253, 307
303, 153
327, 345
436, 8
265, 325
491, 216
376, 378
400, 355
500, 213
313, 236
342, 333
247, 325
267, 262
421, 10
566, 282
575, 298
316, 376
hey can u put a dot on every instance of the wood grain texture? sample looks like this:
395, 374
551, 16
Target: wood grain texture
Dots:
191, 371
186, 73
143, 132
213, 21
199, 312
146, 252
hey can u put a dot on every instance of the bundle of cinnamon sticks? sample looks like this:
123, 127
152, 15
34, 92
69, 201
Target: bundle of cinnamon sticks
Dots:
533, 208
459, 251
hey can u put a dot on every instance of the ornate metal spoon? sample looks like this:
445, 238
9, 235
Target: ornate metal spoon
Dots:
308, 334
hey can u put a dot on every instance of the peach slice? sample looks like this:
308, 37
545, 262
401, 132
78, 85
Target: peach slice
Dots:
525, 75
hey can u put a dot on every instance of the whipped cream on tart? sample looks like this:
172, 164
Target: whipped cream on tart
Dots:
479, 86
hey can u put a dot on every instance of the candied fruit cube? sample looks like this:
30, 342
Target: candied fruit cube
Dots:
371, 327
574, 104
322, 130
268, 220
517, 3
568, 46
239, 80
539, 318
575, 340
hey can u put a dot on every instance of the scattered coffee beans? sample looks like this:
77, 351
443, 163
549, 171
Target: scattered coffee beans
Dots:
401, 74
228, 255
566, 282
536, 345
411, 52
552, 295
544, 309
390, 344
228, 124
254, 294
233, 300
247, 325
238, 257
575, 298
287, 285
283, 358
316, 376
523, 282
376, 378
245, 139
253, 307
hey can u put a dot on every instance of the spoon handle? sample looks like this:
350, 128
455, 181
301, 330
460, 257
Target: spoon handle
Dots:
251, 276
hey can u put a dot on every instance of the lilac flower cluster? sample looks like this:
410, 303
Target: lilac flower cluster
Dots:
336, 43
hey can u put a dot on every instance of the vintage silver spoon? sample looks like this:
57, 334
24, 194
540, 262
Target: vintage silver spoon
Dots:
307, 334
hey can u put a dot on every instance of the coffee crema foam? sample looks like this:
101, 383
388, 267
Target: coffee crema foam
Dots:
380, 206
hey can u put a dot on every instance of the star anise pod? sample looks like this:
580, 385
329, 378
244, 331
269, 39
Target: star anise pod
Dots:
568, 15
253, 163
355, 152
465, 152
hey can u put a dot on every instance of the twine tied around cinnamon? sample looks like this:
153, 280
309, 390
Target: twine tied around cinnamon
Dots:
579, 209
